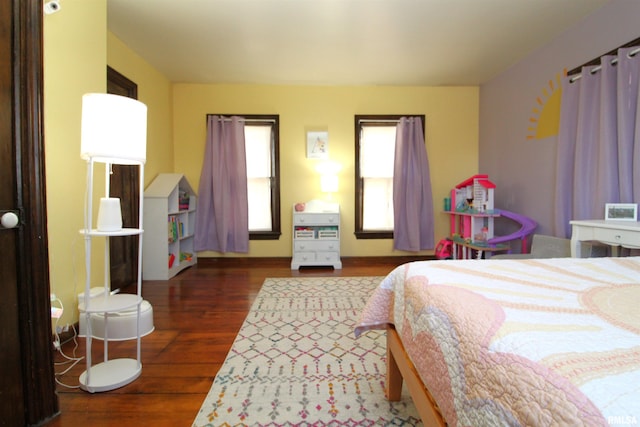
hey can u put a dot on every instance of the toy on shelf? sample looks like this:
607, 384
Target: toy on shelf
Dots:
472, 214
527, 228
444, 249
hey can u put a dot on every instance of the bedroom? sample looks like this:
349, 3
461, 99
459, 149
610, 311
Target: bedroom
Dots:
496, 116
492, 140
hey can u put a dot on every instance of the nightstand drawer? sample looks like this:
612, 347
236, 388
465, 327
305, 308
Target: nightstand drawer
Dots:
304, 257
316, 219
328, 257
316, 246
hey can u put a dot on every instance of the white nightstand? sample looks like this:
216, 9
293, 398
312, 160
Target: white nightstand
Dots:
316, 237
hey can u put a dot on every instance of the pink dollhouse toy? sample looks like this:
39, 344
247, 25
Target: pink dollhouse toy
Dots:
472, 215
474, 194
472, 199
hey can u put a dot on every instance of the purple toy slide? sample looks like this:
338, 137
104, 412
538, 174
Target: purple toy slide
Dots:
528, 226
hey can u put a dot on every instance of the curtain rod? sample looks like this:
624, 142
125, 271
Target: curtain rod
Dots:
379, 121
410, 116
227, 118
599, 67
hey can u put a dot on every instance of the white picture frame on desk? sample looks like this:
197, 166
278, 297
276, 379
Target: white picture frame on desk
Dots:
621, 212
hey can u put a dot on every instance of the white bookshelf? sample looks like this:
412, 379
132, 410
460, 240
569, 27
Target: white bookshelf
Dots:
169, 225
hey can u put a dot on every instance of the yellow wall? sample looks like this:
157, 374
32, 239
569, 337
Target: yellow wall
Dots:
75, 47
451, 139
154, 90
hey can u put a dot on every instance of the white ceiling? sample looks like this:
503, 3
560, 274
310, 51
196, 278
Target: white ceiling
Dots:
340, 42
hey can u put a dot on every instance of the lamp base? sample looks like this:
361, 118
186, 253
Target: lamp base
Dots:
110, 375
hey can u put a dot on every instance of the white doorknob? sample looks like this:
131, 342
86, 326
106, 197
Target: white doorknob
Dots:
9, 220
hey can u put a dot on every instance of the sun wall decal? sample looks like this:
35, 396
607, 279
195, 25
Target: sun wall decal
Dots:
545, 118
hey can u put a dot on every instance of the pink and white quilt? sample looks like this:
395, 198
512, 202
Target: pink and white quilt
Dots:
520, 342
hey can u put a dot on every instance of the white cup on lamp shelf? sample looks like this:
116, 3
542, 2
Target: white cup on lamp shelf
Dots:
109, 214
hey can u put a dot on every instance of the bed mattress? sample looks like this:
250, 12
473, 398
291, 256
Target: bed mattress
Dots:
520, 342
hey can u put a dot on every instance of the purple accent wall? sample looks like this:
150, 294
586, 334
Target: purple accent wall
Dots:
524, 169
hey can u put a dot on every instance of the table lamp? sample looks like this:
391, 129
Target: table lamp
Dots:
329, 183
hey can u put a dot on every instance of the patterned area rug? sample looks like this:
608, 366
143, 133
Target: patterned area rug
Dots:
295, 361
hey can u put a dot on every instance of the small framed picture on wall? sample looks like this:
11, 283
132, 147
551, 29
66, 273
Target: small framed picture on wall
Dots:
621, 212
317, 144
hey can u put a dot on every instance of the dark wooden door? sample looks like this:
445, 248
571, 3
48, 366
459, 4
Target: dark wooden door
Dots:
11, 406
124, 183
27, 386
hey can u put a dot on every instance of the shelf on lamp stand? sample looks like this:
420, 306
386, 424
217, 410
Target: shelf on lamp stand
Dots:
110, 375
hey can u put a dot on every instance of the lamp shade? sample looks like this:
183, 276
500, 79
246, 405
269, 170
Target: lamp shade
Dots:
114, 129
329, 183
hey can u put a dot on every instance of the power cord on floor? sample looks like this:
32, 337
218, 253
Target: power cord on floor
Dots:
72, 360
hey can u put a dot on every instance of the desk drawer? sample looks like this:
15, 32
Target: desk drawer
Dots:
610, 236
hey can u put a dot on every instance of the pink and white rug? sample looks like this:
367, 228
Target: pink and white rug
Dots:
296, 362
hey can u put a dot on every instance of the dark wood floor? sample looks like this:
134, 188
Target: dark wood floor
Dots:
197, 315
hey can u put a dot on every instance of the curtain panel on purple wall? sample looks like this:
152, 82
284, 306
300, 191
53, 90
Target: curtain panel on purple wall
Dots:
413, 228
222, 223
598, 154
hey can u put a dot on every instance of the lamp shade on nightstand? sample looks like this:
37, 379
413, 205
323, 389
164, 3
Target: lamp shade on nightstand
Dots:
329, 183
114, 129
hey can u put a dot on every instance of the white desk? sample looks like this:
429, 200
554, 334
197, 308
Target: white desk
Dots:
614, 233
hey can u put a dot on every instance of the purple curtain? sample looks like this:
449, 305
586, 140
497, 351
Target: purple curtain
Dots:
222, 217
598, 155
413, 228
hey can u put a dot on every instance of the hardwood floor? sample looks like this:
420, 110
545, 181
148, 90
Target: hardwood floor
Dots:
197, 315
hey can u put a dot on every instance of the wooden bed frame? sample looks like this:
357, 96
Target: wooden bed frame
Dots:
399, 368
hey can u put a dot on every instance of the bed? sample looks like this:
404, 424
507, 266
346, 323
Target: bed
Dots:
534, 342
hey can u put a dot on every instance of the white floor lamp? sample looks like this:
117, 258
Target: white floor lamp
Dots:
114, 131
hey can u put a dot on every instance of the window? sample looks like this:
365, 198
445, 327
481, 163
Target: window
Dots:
374, 163
261, 134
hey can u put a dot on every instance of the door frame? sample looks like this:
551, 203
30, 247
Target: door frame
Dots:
34, 304
124, 183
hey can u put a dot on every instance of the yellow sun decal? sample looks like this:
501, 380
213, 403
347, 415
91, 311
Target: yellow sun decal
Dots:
545, 119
